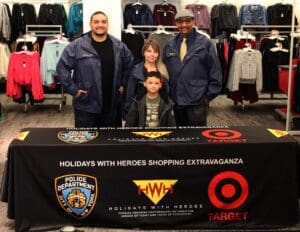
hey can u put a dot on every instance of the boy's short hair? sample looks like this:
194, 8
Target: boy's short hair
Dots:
153, 74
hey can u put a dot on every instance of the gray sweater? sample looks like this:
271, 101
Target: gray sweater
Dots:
4, 22
246, 68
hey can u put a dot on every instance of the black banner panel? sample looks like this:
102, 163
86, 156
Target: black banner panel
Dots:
237, 177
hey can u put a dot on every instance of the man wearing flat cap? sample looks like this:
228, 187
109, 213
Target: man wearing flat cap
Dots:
194, 69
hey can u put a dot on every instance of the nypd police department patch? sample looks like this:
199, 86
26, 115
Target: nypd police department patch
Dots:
76, 194
77, 137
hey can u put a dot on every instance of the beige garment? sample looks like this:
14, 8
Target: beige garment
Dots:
183, 49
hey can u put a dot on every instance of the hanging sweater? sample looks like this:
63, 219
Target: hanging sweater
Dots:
246, 68
4, 57
23, 70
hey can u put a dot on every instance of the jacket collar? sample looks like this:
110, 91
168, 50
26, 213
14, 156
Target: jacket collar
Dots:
87, 43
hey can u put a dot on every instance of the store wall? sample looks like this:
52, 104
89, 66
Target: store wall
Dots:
113, 10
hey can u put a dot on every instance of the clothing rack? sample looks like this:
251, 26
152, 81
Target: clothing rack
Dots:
36, 1
173, 29
264, 32
289, 116
153, 27
50, 30
47, 31
266, 27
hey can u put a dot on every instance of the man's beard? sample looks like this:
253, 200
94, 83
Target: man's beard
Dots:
100, 34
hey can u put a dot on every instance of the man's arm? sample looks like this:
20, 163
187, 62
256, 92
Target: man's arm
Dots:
64, 69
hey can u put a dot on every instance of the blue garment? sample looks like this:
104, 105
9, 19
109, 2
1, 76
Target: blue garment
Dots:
198, 76
81, 58
50, 56
253, 15
75, 20
137, 15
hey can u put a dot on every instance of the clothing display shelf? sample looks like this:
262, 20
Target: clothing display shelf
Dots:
47, 31
44, 30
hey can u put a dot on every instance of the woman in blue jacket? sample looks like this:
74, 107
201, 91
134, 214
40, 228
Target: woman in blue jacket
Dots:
151, 63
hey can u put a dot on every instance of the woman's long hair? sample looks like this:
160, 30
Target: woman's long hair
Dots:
160, 66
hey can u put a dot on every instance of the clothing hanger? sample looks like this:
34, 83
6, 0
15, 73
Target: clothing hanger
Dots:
138, 2
275, 35
278, 48
248, 47
129, 29
284, 2
224, 2
242, 35
164, 2
57, 39
27, 52
27, 38
202, 32
161, 30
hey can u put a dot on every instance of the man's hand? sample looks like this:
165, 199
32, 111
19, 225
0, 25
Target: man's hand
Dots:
121, 89
80, 91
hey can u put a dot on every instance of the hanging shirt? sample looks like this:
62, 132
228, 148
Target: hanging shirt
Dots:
24, 70
137, 15
50, 56
202, 18
164, 14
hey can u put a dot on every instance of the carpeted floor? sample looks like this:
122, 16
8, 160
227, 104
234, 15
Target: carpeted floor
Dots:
222, 111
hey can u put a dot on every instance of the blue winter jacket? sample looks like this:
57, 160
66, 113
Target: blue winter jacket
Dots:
198, 76
81, 58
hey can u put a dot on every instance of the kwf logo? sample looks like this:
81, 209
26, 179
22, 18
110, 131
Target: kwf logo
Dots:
155, 190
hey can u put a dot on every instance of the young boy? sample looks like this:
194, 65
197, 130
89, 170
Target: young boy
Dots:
152, 109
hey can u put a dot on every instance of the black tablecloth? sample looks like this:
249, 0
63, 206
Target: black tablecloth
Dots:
237, 177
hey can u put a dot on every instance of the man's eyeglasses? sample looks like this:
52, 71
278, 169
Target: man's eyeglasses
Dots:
184, 20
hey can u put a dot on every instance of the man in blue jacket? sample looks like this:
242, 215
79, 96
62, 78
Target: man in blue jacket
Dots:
94, 70
194, 70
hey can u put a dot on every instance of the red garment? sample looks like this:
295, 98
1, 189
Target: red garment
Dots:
164, 14
241, 43
24, 70
226, 52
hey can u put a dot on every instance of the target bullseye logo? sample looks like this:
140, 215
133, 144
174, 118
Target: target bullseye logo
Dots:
228, 190
221, 134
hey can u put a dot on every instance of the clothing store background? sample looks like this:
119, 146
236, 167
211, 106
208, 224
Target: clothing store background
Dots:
114, 15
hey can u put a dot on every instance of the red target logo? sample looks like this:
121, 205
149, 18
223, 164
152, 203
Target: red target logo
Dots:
221, 134
228, 190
